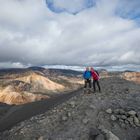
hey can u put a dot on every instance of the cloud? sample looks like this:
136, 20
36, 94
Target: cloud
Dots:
129, 9
6, 65
72, 7
33, 34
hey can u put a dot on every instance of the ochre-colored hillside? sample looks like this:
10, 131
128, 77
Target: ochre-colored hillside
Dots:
132, 76
26, 88
39, 81
10, 96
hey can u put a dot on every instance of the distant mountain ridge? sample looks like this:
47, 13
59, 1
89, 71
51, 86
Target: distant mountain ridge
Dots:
18, 86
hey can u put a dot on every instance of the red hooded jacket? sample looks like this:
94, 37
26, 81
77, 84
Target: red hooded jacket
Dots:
95, 75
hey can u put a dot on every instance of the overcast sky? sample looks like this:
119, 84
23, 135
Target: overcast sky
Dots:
69, 32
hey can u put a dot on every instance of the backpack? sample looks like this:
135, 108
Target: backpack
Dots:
97, 72
87, 75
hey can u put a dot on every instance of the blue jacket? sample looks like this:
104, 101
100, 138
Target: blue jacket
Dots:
87, 75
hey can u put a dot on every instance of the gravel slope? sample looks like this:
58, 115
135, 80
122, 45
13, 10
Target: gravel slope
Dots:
86, 116
22, 112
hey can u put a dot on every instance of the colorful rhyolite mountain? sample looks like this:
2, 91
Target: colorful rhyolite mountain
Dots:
33, 85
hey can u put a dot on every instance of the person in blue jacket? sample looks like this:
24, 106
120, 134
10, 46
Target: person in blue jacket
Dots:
87, 77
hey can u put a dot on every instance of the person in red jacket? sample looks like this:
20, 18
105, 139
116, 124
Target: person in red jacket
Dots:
95, 76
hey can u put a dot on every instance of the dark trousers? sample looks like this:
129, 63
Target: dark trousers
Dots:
94, 85
87, 81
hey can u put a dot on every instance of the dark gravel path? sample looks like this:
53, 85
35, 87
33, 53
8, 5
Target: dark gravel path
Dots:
23, 112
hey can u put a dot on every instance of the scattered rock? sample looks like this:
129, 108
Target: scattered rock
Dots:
121, 120
65, 108
123, 117
21, 132
109, 111
85, 121
126, 122
130, 119
136, 121
116, 111
113, 118
132, 113
54, 111
92, 106
108, 134
111, 136
72, 103
64, 118
69, 114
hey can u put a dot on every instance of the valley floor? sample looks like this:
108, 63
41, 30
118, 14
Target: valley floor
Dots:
112, 114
